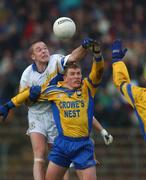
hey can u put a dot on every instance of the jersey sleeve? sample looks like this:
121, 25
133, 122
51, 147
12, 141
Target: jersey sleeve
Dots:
120, 74
136, 97
121, 79
61, 62
95, 76
20, 98
49, 94
23, 97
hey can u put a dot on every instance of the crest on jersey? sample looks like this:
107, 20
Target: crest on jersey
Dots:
78, 92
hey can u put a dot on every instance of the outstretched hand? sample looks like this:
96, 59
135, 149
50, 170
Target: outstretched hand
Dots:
117, 51
96, 49
94, 46
87, 43
4, 110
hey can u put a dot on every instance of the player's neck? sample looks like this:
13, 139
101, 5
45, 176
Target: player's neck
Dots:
67, 86
41, 67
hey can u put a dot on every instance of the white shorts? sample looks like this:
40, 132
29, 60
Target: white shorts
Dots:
43, 124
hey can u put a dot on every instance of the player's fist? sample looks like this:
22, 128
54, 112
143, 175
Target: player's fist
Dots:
4, 109
34, 93
87, 43
117, 51
108, 138
96, 49
4, 112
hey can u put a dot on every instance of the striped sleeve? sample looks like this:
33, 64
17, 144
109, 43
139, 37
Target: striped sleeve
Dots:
95, 76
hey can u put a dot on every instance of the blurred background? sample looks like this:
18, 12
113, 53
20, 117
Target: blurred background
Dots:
23, 22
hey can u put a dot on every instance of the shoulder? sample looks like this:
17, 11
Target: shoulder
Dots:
27, 71
49, 89
56, 61
54, 88
59, 59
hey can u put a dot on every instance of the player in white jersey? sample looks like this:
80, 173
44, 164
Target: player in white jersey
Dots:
40, 119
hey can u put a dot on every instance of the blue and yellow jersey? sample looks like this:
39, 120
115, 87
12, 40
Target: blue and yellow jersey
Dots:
136, 96
73, 109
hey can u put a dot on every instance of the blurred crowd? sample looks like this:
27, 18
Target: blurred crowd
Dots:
24, 21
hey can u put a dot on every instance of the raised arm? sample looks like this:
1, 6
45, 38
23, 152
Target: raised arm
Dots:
96, 73
80, 52
120, 73
135, 95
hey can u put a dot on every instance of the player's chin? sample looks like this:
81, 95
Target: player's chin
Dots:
45, 60
77, 85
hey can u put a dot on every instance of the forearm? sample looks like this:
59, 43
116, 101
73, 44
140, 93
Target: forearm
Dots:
120, 74
108, 138
96, 125
77, 54
97, 71
21, 97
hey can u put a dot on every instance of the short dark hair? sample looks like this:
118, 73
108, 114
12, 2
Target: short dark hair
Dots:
30, 49
71, 65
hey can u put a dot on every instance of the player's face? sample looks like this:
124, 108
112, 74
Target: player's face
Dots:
73, 78
40, 52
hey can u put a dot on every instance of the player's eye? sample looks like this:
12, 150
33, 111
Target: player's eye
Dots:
78, 73
45, 48
38, 50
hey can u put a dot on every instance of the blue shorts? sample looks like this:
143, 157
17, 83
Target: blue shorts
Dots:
80, 152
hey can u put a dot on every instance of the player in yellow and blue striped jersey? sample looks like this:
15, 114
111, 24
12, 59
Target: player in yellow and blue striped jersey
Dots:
73, 106
135, 95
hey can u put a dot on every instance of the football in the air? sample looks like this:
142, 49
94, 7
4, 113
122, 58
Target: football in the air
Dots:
64, 28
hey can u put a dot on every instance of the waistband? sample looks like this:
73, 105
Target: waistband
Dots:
73, 138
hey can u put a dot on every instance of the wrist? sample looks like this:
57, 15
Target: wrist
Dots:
116, 60
103, 132
84, 46
98, 57
9, 105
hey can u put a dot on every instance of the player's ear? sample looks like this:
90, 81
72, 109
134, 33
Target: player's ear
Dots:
64, 77
33, 57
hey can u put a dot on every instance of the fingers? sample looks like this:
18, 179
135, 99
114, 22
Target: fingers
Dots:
96, 47
117, 43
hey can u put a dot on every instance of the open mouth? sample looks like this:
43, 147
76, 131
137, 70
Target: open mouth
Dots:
77, 82
45, 56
